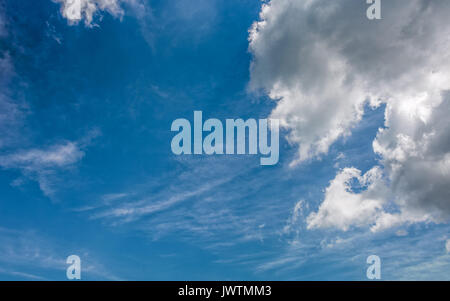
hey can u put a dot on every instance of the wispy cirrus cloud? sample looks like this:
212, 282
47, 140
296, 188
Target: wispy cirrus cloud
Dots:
44, 164
343, 255
12, 110
36, 159
131, 211
25, 249
205, 202
40, 163
26, 254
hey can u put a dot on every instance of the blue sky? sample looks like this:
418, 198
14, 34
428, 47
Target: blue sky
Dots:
87, 169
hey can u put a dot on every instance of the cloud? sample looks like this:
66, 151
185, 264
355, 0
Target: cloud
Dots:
40, 164
297, 215
415, 153
447, 245
77, 10
25, 247
416, 162
203, 205
140, 205
344, 256
27, 254
343, 208
10, 112
36, 159
43, 164
12, 109
322, 62
135, 210
295, 63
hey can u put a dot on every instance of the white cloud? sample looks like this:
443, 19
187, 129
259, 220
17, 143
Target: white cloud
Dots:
317, 100
131, 211
77, 10
22, 251
36, 159
41, 165
296, 217
44, 164
343, 208
447, 245
322, 61
193, 203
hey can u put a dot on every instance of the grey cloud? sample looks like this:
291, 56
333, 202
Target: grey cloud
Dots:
321, 61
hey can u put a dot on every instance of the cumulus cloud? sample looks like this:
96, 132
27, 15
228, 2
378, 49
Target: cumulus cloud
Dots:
416, 156
342, 207
322, 62
295, 61
355, 200
77, 10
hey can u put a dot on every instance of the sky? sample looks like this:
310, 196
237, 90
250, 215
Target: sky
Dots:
89, 90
